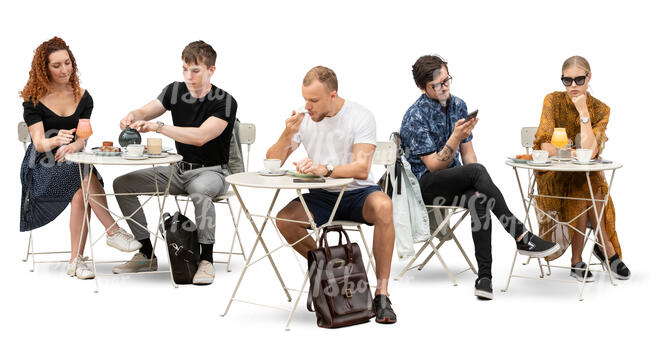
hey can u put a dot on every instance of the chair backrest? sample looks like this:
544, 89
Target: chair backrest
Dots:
528, 137
385, 153
23, 134
247, 133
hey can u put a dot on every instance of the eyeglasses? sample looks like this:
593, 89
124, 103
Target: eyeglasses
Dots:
446, 82
580, 80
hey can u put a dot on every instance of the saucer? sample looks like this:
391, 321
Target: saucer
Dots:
265, 172
144, 156
539, 164
160, 155
561, 159
591, 161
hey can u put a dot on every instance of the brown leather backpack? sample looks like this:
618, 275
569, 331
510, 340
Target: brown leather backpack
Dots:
338, 283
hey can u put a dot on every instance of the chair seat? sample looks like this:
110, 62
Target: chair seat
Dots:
346, 223
224, 196
219, 198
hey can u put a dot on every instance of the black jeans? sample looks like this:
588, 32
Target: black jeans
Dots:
471, 187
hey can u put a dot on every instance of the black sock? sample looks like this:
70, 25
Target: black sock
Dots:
147, 248
206, 252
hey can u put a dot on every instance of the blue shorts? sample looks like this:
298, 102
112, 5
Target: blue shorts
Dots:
321, 203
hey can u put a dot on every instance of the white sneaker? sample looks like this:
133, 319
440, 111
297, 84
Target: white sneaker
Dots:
205, 274
79, 269
122, 241
139, 263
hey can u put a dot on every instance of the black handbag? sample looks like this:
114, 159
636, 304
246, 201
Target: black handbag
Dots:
338, 283
183, 245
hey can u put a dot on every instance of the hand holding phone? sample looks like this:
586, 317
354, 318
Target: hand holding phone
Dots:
472, 115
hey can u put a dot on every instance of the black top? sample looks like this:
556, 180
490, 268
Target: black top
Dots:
52, 122
188, 111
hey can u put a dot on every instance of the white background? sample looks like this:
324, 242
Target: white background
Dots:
504, 57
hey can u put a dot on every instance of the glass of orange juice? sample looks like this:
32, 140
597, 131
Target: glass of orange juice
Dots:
84, 130
560, 140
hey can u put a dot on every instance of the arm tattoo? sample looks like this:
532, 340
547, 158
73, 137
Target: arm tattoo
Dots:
445, 154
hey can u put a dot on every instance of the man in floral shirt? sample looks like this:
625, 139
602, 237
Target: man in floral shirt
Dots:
437, 141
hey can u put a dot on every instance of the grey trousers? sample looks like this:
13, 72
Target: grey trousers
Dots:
201, 185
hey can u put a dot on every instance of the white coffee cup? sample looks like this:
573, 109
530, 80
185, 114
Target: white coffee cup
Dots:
540, 156
134, 150
272, 165
583, 155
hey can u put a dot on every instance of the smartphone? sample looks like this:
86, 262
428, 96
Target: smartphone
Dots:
318, 180
472, 115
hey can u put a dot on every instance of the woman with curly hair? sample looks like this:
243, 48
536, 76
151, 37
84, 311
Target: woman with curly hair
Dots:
53, 104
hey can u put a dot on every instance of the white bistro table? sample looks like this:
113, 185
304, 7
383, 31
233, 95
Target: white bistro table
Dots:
93, 160
277, 183
529, 201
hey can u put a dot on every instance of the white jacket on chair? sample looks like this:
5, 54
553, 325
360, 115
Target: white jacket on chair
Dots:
409, 212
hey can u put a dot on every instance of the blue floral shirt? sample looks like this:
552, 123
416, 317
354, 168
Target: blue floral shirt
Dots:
426, 129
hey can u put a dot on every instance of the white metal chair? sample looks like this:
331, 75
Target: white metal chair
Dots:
385, 154
25, 138
443, 215
448, 212
247, 134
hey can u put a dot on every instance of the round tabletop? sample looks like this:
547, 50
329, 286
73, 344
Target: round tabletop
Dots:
253, 179
90, 158
557, 166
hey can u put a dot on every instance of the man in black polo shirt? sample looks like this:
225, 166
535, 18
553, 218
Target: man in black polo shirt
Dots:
203, 117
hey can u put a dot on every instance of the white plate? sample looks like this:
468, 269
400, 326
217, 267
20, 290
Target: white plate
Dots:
539, 164
135, 157
517, 160
267, 173
102, 153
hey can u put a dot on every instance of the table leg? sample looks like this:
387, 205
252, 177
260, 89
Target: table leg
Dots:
598, 232
317, 235
85, 223
160, 225
257, 240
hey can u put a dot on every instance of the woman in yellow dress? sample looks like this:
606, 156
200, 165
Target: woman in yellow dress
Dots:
585, 119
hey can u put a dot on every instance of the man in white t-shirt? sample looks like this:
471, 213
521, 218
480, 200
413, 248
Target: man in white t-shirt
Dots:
340, 138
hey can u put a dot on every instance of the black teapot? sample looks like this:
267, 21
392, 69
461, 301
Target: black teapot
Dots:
129, 136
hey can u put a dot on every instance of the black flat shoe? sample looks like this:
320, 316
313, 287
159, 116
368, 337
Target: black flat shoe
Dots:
619, 269
578, 272
483, 288
385, 313
533, 246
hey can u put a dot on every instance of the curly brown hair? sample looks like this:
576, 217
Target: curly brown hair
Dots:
39, 77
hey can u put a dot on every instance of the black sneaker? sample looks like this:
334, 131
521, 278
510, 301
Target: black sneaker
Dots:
385, 313
533, 246
619, 269
578, 272
483, 288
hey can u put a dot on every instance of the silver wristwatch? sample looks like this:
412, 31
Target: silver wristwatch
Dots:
584, 119
160, 125
330, 169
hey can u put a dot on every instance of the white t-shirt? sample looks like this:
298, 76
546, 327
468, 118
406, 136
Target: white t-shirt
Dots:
331, 140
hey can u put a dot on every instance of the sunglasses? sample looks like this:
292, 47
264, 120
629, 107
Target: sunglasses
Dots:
568, 81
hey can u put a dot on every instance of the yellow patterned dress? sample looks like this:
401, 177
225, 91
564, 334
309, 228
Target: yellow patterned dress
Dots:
559, 111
